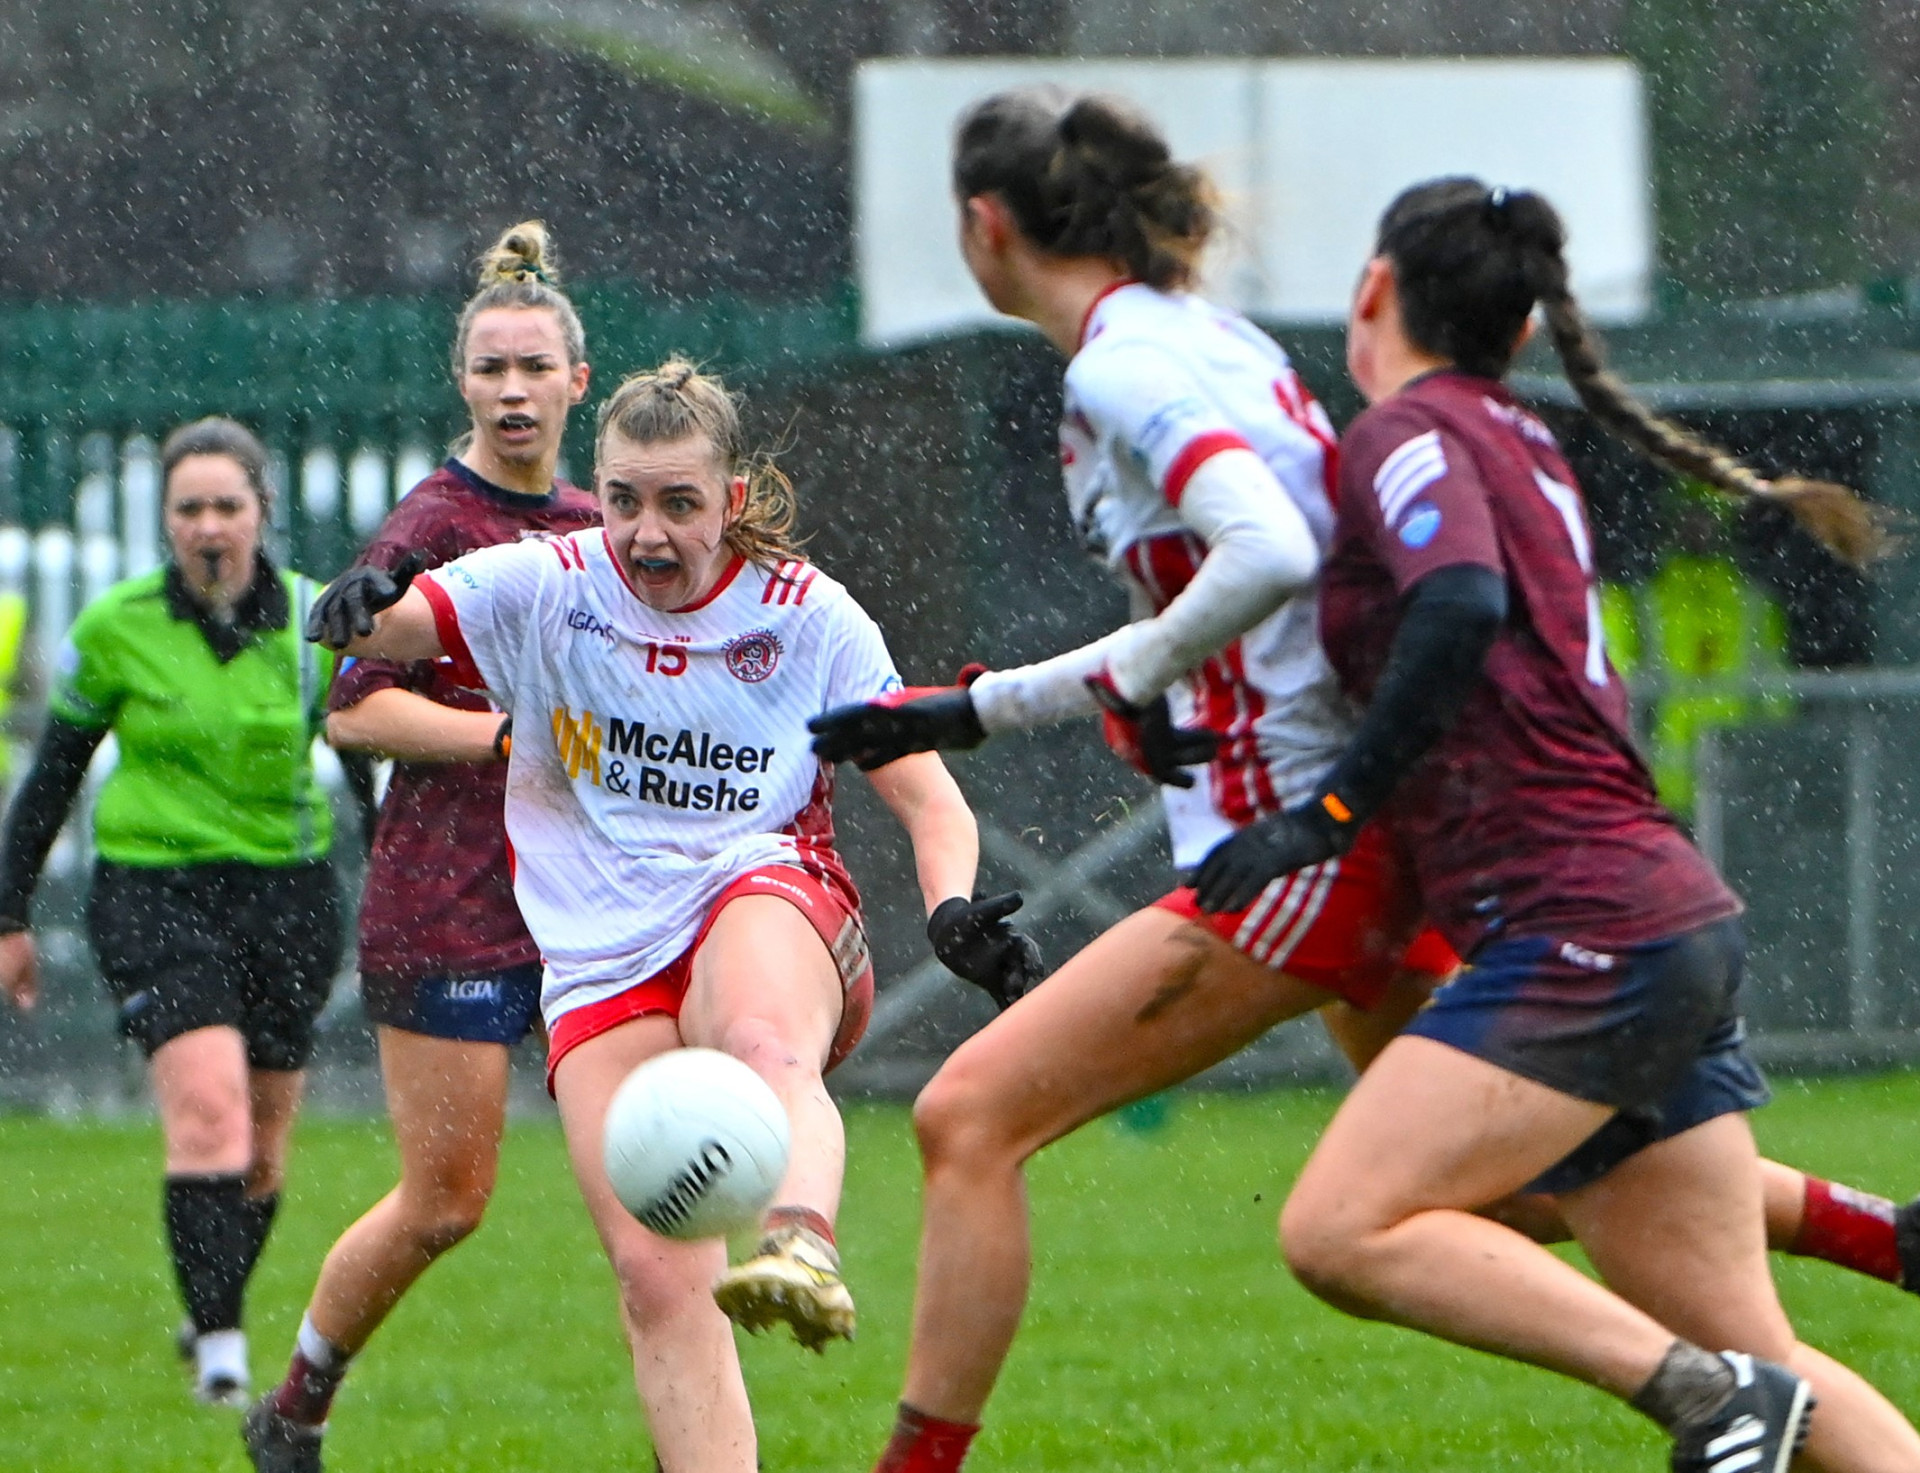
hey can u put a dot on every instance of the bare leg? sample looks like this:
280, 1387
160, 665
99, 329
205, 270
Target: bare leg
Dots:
1360, 1033
1153, 1001
275, 1099
684, 1363
1381, 1222
1676, 1230
765, 990
200, 1085
447, 1100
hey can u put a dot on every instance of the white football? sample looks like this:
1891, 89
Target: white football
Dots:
695, 1144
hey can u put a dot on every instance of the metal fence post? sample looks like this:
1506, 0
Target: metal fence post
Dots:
1865, 995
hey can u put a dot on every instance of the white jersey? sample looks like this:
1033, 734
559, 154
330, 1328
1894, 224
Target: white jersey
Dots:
1162, 382
657, 756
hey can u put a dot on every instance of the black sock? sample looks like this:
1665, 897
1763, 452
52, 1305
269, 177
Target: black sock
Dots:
1689, 1388
257, 1214
207, 1229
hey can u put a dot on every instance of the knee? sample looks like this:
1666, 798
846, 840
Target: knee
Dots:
956, 1124
768, 1049
208, 1123
1327, 1251
442, 1218
655, 1291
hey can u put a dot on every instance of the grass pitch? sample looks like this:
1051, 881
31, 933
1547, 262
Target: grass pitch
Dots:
1162, 1332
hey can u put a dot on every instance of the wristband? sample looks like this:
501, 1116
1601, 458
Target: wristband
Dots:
503, 740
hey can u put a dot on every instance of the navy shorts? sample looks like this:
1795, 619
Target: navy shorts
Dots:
1653, 1031
496, 1007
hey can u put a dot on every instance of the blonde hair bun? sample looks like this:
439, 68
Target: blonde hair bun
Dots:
522, 253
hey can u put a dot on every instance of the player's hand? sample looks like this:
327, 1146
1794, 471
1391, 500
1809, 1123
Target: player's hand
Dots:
1236, 870
974, 940
918, 718
1145, 738
345, 609
20, 969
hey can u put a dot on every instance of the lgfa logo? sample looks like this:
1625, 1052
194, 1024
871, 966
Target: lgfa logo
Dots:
578, 740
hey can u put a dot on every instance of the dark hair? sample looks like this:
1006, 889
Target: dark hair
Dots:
520, 270
1469, 263
217, 435
1087, 176
678, 402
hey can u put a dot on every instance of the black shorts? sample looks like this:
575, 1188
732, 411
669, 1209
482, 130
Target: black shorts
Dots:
243, 946
1653, 1031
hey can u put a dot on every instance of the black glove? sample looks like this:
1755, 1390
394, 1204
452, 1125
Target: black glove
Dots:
1145, 738
974, 941
344, 612
1236, 870
918, 718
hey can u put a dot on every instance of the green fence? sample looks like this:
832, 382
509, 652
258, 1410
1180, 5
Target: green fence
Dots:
354, 397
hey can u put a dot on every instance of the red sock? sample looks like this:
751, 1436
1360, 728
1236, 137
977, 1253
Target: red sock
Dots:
923, 1444
1852, 1229
806, 1217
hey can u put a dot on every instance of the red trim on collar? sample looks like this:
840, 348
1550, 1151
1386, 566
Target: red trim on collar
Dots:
720, 586
1094, 305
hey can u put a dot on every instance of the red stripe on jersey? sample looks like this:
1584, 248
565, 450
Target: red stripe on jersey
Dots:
1304, 410
1198, 451
446, 624
1227, 702
559, 551
788, 583
1094, 306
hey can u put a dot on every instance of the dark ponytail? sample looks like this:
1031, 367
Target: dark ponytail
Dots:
1088, 176
1469, 264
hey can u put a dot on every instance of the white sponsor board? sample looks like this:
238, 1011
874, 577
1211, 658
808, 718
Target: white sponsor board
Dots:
1306, 154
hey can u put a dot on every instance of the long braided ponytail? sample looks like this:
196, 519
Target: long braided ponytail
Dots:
1470, 263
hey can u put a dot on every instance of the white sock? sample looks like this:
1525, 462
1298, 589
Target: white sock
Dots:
321, 1352
221, 1354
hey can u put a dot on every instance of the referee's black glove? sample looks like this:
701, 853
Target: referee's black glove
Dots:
974, 940
1145, 738
344, 611
1237, 869
918, 718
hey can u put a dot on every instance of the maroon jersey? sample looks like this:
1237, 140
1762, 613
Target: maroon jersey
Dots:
1535, 814
439, 899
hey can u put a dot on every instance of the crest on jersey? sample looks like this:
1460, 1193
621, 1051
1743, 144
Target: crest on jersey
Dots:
752, 656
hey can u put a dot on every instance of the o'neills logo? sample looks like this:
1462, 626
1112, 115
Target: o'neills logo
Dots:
673, 1206
752, 656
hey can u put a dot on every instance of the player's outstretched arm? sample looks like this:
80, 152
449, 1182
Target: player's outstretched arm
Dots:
1448, 623
972, 938
373, 611
917, 718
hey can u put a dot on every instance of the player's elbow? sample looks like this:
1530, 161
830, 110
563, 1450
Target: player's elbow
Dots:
346, 732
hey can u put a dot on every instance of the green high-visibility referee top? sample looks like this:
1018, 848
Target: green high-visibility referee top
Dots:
215, 756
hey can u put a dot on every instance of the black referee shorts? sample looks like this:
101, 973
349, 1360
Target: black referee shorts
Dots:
245, 946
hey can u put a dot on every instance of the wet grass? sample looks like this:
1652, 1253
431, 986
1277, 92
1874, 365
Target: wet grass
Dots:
1162, 1333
